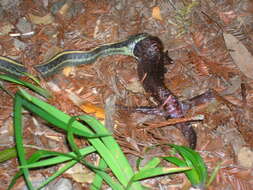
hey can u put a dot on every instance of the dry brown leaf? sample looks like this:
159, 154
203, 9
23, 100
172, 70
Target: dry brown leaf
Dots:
219, 69
93, 109
64, 9
198, 39
228, 16
156, 13
68, 70
80, 174
239, 53
47, 19
5, 28
200, 65
245, 157
206, 67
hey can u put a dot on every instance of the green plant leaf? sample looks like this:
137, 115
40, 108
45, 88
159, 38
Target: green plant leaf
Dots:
153, 172
151, 163
8, 154
181, 163
105, 145
193, 159
213, 175
18, 108
36, 89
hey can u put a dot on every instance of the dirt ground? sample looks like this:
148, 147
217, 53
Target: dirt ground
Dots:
210, 43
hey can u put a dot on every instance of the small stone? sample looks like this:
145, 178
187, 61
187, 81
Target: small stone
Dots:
75, 9
36, 181
46, 19
245, 157
57, 5
135, 87
67, 8
19, 44
23, 25
7, 4
62, 184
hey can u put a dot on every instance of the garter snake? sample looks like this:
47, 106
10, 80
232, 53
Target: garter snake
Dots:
74, 58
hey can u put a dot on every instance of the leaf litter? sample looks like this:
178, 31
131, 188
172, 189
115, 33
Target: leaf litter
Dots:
210, 43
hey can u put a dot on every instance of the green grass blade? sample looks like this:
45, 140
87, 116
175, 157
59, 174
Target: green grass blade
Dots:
33, 160
154, 172
113, 147
34, 78
8, 154
74, 147
14, 180
98, 180
49, 113
18, 107
193, 160
67, 166
60, 119
43, 154
190, 173
213, 175
54, 116
48, 162
199, 163
108, 179
58, 159
175, 161
36, 89
70, 138
138, 163
151, 163
6, 90
36, 156
195, 176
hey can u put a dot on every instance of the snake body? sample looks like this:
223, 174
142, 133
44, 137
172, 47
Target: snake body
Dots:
74, 58
147, 49
12, 67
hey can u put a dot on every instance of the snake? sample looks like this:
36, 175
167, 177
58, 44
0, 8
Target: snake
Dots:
73, 58
149, 52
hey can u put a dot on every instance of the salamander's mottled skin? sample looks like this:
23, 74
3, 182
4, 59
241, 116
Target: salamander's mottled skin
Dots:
151, 61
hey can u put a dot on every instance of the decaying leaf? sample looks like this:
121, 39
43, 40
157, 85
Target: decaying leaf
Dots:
245, 157
64, 9
93, 109
135, 87
68, 70
156, 13
80, 174
228, 16
204, 66
5, 28
47, 19
241, 56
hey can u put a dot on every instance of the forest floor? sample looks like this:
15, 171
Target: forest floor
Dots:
210, 42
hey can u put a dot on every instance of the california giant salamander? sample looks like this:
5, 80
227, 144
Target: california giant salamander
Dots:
151, 60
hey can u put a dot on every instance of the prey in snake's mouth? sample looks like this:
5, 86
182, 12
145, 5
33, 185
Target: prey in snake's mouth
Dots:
151, 61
